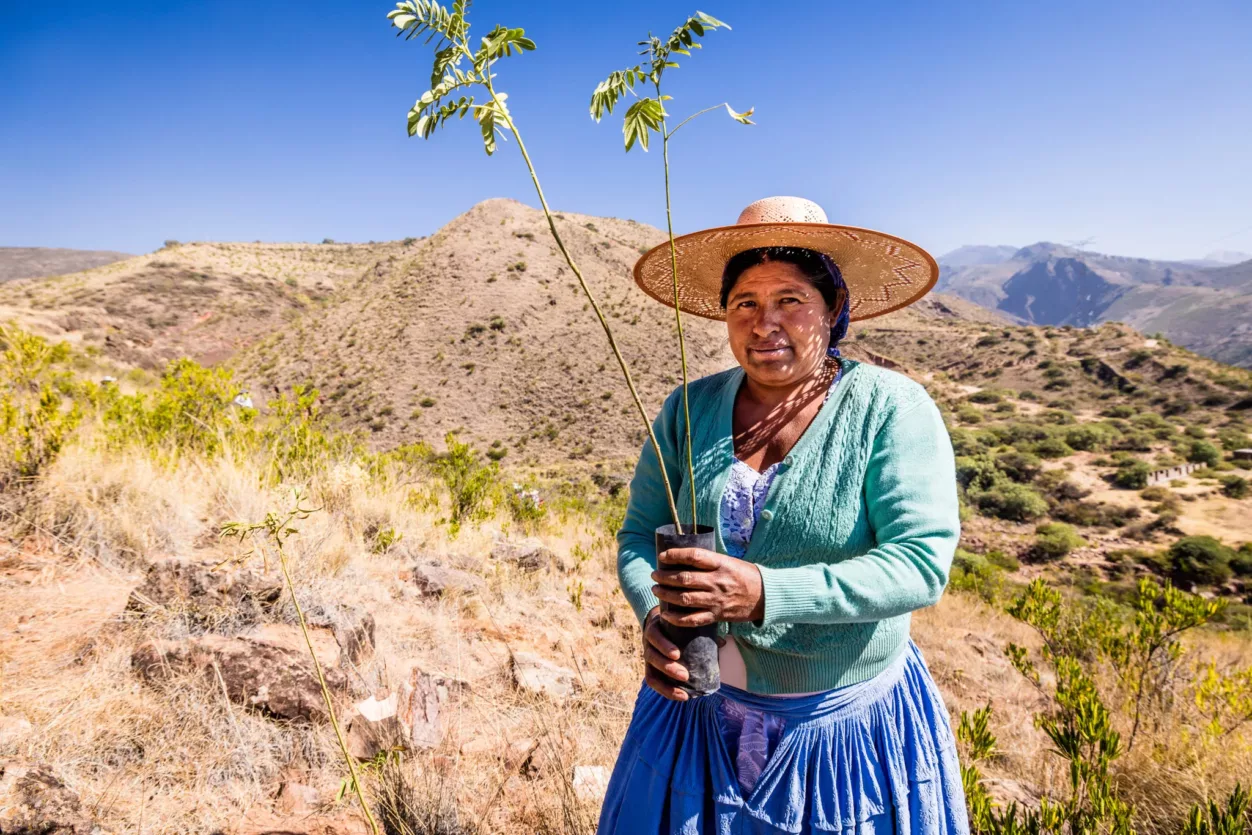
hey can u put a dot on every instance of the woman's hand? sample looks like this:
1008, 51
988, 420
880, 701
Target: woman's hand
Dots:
660, 659
717, 587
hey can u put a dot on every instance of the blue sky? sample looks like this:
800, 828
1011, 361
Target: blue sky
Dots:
126, 123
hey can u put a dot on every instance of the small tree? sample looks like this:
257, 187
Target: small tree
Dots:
645, 116
459, 69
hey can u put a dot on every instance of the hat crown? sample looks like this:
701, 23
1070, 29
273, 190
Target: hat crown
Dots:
782, 210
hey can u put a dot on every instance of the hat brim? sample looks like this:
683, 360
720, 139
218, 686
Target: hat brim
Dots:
883, 273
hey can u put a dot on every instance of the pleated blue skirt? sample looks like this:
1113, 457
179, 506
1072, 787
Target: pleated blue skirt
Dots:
874, 757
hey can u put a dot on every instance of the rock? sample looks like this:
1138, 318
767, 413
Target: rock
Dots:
374, 728
590, 782
296, 799
13, 728
224, 600
270, 677
479, 745
435, 580
418, 710
33, 800
529, 554
263, 822
520, 751
353, 628
540, 676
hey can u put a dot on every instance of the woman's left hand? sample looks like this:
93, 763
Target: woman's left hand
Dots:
718, 587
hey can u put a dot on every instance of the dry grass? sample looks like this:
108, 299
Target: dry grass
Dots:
181, 758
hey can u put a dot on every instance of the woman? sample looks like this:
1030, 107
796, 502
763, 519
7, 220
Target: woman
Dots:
832, 490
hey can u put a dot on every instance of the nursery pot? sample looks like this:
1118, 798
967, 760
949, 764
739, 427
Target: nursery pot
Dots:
697, 644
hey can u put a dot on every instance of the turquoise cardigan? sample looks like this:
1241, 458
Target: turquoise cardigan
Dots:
858, 529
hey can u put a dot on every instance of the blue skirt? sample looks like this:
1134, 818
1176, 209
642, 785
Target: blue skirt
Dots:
874, 757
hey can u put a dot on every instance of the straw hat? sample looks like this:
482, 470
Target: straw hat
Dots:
883, 273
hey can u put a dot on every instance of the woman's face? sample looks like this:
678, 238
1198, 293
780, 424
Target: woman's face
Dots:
778, 324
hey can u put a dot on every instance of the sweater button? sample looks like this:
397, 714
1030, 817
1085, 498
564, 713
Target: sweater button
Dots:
788, 461
766, 515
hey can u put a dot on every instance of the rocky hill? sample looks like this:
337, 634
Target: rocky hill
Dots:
203, 300
1206, 308
483, 329
38, 261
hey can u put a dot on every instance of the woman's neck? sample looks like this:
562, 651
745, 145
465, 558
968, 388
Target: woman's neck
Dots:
801, 391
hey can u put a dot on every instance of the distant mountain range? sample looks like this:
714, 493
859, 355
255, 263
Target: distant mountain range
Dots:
37, 261
1204, 305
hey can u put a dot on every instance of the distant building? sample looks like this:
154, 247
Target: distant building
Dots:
1243, 454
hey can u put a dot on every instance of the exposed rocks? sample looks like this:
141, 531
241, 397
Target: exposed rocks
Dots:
353, 628
418, 710
434, 580
258, 671
224, 600
296, 799
34, 801
537, 675
590, 782
13, 728
529, 554
374, 728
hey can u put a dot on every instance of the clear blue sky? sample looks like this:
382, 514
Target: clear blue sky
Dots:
124, 123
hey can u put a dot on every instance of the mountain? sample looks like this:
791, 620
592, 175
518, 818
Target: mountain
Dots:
1208, 309
37, 261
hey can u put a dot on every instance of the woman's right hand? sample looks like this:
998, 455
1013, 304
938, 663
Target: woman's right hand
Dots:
660, 659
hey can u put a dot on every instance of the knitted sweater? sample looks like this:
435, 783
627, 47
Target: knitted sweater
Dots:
858, 529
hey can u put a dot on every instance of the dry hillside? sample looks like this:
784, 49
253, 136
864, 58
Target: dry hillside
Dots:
203, 300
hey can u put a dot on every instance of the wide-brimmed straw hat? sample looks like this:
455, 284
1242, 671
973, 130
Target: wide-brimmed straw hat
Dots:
883, 273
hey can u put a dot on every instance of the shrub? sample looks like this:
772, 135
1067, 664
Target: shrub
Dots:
191, 411
1008, 500
985, 396
1056, 539
1203, 452
1095, 514
426, 402
1052, 448
973, 573
1132, 475
1091, 437
469, 483
1200, 561
1121, 410
1155, 494
968, 414
34, 425
1021, 467
1236, 488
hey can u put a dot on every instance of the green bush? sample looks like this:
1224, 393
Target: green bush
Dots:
192, 410
985, 396
968, 414
1009, 500
469, 483
1021, 467
1056, 539
35, 422
1052, 448
1200, 561
1132, 475
1203, 452
1236, 487
1092, 437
